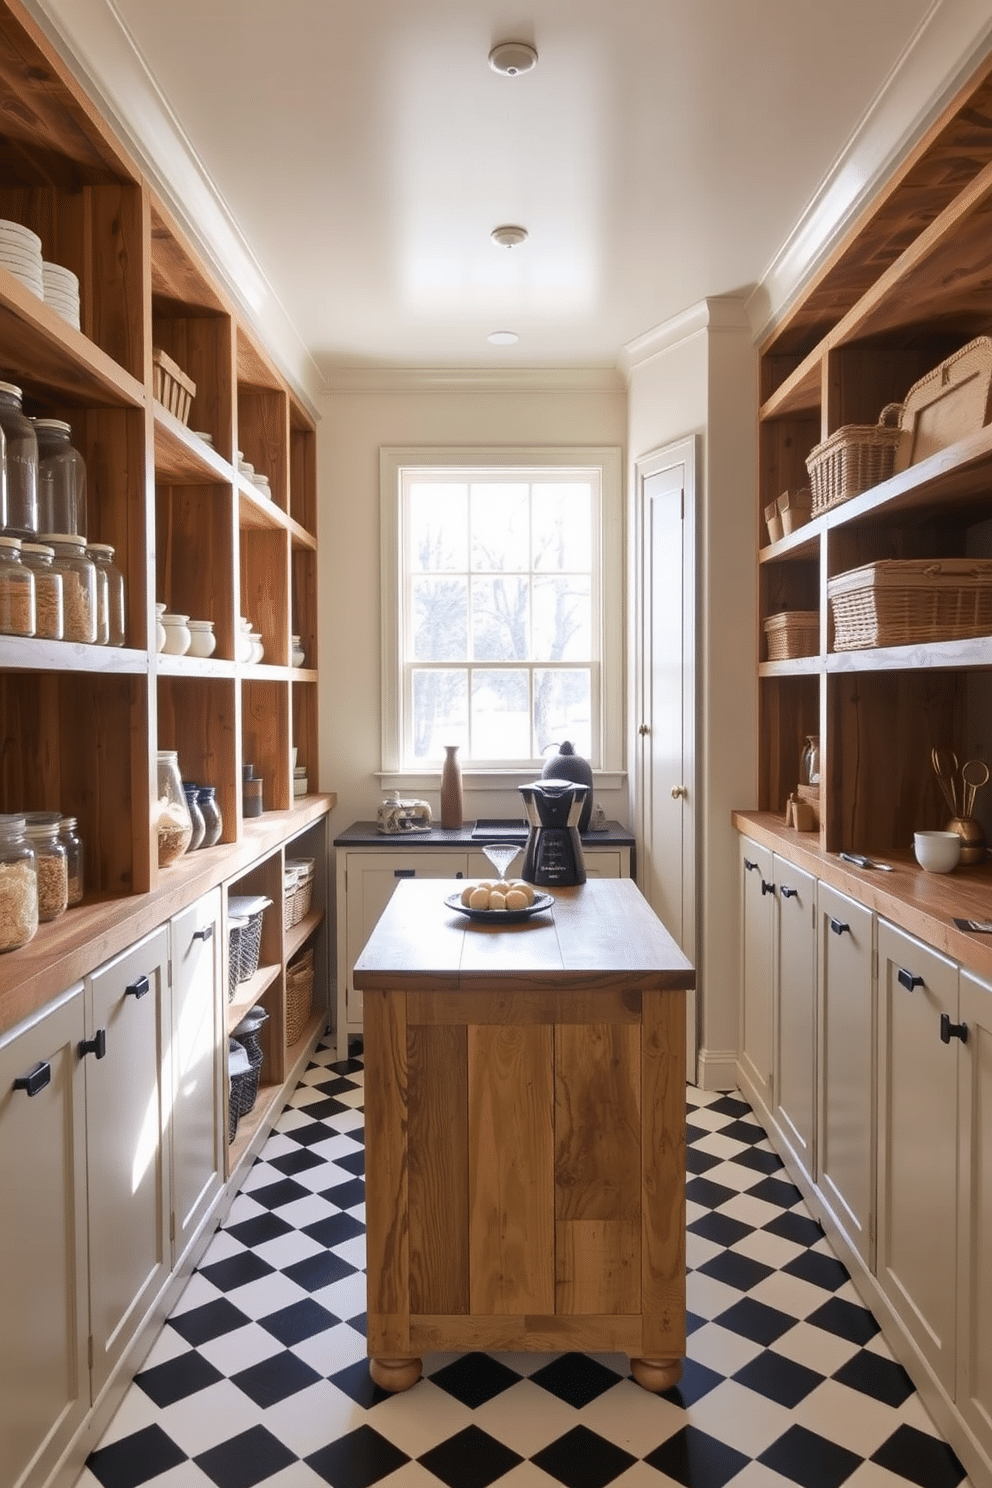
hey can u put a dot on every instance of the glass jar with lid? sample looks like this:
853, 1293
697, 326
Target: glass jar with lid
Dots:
48, 615
191, 793
171, 814
102, 591
73, 844
103, 556
61, 479
78, 585
51, 862
18, 885
213, 823
21, 464
17, 612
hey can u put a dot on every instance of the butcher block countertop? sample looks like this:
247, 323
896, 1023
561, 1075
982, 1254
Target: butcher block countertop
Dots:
525, 1130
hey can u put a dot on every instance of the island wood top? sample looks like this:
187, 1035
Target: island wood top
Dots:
602, 932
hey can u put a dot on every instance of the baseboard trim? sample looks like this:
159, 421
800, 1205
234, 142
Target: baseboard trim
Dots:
716, 1069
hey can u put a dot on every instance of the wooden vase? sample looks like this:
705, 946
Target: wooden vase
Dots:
451, 788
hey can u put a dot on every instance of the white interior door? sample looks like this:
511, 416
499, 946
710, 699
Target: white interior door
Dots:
665, 807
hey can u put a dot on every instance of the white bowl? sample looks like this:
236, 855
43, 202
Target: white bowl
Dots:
937, 852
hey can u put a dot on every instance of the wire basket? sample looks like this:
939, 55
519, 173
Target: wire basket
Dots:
854, 459
235, 925
239, 1072
299, 996
251, 909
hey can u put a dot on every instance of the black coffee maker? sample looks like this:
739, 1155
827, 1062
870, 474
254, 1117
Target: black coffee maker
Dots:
553, 856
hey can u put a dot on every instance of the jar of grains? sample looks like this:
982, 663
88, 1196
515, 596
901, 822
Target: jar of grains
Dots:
61, 479
103, 557
78, 585
17, 614
171, 814
51, 861
18, 885
21, 464
73, 844
48, 619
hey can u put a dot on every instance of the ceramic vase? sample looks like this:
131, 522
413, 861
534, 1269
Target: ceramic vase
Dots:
451, 788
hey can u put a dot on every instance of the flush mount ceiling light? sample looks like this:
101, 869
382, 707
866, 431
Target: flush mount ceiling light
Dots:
502, 338
509, 236
510, 58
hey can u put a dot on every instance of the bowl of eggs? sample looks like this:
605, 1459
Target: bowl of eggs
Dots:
500, 901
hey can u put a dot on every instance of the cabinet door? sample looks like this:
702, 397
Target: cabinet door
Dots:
44, 1385
974, 1376
794, 1023
917, 1143
196, 1124
845, 1159
128, 1213
758, 897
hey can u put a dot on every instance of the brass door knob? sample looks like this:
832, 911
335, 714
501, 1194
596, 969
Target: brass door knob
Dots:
644, 729
678, 790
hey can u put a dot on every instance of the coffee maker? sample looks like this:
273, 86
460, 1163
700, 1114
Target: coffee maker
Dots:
553, 855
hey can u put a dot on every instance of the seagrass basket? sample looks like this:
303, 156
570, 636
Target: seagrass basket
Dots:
854, 458
902, 602
792, 633
299, 996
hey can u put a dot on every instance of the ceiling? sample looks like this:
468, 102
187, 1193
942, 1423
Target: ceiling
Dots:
661, 151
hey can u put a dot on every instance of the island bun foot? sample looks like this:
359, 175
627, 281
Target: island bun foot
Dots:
656, 1375
395, 1374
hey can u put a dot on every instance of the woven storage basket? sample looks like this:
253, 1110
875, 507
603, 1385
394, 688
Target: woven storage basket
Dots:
305, 869
173, 389
901, 602
289, 882
792, 633
299, 996
854, 459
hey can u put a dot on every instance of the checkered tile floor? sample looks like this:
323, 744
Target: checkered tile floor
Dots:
260, 1374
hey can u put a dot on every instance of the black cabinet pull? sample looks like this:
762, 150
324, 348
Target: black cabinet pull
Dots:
36, 1081
788, 893
766, 887
137, 989
404, 872
205, 933
96, 1045
749, 865
949, 1030
908, 980
839, 926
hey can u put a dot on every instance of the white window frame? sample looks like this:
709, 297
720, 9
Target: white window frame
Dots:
393, 461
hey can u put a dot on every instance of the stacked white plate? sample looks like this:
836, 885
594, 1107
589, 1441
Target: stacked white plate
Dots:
261, 483
20, 255
61, 290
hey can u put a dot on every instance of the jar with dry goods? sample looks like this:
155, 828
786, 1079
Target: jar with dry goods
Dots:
213, 823
18, 885
73, 844
191, 793
21, 464
61, 479
48, 615
42, 831
17, 614
102, 555
78, 585
172, 821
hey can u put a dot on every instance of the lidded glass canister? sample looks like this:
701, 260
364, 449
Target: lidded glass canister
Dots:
42, 831
48, 616
61, 479
102, 590
102, 555
171, 814
78, 585
21, 463
213, 823
17, 611
18, 885
73, 844
195, 815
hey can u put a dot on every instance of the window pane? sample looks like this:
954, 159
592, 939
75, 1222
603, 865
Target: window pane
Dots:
437, 527
562, 619
499, 619
500, 527
563, 709
440, 619
500, 715
440, 713
562, 524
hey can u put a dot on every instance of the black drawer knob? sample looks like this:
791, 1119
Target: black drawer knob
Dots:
137, 989
34, 1082
908, 980
96, 1045
949, 1030
839, 926
788, 893
766, 887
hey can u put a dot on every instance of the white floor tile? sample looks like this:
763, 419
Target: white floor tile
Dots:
740, 1417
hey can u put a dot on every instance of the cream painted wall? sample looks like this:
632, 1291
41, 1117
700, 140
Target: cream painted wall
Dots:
698, 378
354, 423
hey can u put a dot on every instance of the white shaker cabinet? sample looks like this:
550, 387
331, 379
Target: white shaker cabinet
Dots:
198, 1040
758, 967
974, 1320
794, 1012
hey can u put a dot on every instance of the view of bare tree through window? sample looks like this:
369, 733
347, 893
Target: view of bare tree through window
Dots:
499, 612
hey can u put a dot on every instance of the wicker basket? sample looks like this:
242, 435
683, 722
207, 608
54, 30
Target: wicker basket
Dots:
854, 459
299, 996
173, 389
289, 882
902, 602
792, 633
305, 869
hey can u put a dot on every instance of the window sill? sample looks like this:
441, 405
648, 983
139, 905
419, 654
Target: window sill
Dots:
429, 779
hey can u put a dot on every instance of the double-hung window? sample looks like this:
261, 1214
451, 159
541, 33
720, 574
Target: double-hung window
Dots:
502, 608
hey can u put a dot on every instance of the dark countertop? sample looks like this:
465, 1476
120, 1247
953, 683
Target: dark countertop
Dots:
367, 834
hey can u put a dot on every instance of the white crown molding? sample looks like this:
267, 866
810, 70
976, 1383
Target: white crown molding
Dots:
474, 379
948, 45
719, 313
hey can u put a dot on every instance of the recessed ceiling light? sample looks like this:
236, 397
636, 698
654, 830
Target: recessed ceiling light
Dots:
510, 58
502, 338
508, 236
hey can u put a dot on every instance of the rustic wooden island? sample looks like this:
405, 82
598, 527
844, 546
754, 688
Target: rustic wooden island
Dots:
525, 1131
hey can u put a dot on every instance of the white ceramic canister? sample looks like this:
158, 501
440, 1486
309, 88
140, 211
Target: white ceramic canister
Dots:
160, 636
177, 635
203, 642
243, 648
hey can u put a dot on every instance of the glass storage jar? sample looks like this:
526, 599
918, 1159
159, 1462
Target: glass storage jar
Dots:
73, 844
61, 479
172, 819
78, 585
809, 763
48, 614
102, 590
213, 823
299, 655
17, 609
21, 464
51, 861
102, 555
191, 793
18, 885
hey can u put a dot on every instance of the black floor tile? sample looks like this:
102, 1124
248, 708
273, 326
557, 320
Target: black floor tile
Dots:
357, 1460
697, 1161
801, 1229
581, 1459
720, 1228
135, 1459
470, 1459
352, 1162
709, 1195
309, 1134
575, 1378
318, 1271
745, 1131
756, 1320
334, 1230
921, 1458
779, 1378
275, 1379
735, 1270
759, 1159
236, 1271
347, 1195
298, 1321
246, 1459
475, 1378
356, 1382
822, 1270
200, 1324
847, 1319
276, 1195
177, 1378
297, 1161
697, 1460
259, 1229
695, 1382
810, 1460
875, 1375
776, 1191
729, 1105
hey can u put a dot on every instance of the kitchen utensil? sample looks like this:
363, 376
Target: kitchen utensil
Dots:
863, 862
974, 774
974, 847
945, 764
